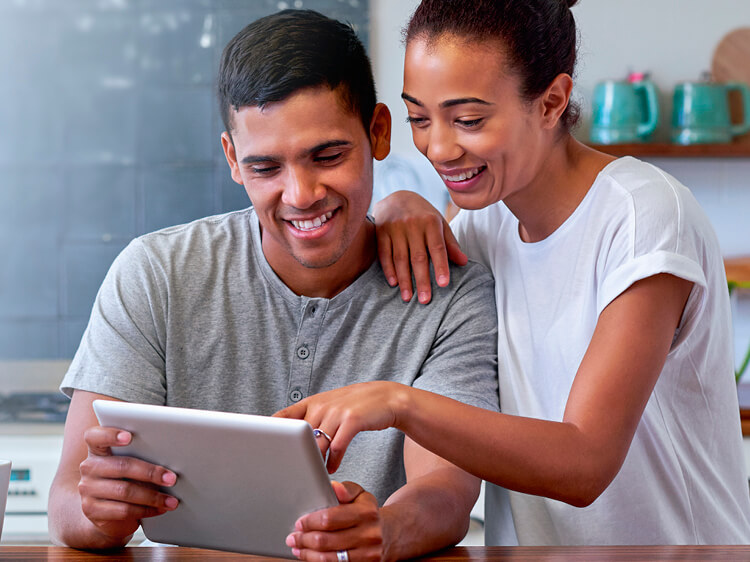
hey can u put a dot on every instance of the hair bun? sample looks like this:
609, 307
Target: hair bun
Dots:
571, 3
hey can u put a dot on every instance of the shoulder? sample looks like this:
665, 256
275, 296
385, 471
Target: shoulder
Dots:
206, 238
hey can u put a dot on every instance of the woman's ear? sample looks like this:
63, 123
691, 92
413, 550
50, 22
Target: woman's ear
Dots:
229, 152
380, 131
555, 99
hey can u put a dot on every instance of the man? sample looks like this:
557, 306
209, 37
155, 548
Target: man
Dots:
253, 310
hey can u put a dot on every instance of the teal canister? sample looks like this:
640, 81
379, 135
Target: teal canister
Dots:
700, 112
624, 112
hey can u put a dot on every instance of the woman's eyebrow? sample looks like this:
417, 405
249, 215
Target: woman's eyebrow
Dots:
446, 103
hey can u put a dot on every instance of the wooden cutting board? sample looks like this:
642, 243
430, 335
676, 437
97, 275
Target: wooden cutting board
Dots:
731, 63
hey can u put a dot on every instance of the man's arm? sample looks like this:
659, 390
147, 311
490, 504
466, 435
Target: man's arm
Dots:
97, 500
429, 512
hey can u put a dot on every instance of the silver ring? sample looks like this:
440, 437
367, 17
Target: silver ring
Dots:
320, 433
341, 555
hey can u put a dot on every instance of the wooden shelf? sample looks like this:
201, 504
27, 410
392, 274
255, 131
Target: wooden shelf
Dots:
738, 270
667, 150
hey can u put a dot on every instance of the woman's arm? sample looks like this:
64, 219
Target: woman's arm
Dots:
573, 460
411, 233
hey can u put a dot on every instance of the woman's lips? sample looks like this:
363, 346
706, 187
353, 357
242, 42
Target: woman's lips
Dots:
464, 180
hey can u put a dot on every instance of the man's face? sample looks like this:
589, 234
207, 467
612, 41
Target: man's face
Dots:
306, 164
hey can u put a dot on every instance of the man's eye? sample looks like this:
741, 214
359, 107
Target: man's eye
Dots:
263, 170
328, 157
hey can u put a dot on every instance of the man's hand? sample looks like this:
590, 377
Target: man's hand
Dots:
354, 526
118, 491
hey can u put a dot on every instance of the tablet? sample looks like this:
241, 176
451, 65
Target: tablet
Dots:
242, 480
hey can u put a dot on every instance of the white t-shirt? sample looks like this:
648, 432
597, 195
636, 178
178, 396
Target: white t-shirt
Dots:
683, 480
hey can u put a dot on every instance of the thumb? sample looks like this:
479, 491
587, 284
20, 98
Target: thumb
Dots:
346, 492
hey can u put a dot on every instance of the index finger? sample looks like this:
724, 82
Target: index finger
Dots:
296, 411
100, 439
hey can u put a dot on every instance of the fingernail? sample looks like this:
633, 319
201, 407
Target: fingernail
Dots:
295, 552
290, 542
423, 297
123, 437
443, 280
171, 502
392, 281
169, 478
406, 295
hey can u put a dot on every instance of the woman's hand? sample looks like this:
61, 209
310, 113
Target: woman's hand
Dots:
410, 233
344, 412
354, 526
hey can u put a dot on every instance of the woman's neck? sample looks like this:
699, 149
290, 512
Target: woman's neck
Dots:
562, 181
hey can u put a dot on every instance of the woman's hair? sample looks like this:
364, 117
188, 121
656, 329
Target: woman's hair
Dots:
539, 36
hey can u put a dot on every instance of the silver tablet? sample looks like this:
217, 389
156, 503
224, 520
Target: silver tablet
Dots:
242, 480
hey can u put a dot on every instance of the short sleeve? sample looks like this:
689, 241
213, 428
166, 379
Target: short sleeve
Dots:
122, 350
662, 231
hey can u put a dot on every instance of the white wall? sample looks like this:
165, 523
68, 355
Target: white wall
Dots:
674, 40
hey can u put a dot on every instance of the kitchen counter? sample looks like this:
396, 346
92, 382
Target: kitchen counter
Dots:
459, 554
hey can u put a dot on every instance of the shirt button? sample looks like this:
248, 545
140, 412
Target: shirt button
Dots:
295, 395
303, 352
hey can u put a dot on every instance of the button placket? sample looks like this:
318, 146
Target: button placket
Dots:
303, 357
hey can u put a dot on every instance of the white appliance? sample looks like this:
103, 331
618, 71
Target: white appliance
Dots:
32, 416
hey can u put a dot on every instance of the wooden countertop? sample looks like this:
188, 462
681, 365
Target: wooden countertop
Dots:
738, 269
460, 554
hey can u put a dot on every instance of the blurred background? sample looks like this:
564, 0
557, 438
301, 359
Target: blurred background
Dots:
109, 128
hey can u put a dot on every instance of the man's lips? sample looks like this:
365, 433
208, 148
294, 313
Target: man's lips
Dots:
313, 223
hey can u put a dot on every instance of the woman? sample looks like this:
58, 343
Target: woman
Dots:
620, 422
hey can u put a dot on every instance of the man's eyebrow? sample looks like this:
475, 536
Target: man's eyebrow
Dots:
446, 103
255, 159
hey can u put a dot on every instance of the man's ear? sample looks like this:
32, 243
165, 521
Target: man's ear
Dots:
380, 131
229, 152
555, 99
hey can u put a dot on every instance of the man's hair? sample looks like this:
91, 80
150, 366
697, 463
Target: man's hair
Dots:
278, 55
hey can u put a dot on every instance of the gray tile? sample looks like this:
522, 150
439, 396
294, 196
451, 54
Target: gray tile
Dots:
31, 124
28, 279
29, 339
98, 48
71, 332
177, 47
176, 195
232, 195
83, 270
100, 126
175, 125
31, 199
100, 203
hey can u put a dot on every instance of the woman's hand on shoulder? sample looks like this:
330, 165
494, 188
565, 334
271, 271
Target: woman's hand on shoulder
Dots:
410, 234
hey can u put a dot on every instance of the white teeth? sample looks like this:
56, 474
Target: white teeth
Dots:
317, 222
462, 176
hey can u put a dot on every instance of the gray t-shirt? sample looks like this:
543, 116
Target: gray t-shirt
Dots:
193, 316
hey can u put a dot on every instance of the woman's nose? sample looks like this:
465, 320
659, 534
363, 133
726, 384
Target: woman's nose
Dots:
442, 145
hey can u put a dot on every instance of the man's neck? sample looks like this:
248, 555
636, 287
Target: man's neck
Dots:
325, 282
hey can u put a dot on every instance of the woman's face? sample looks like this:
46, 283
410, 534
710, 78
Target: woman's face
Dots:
468, 118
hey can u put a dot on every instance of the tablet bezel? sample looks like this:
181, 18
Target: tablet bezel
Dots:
213, 454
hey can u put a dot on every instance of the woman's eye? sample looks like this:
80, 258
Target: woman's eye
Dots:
417, 121
469, 122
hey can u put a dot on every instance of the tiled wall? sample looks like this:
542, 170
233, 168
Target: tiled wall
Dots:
109, 128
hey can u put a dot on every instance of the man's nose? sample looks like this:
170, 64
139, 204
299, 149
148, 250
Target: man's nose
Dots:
302, 190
